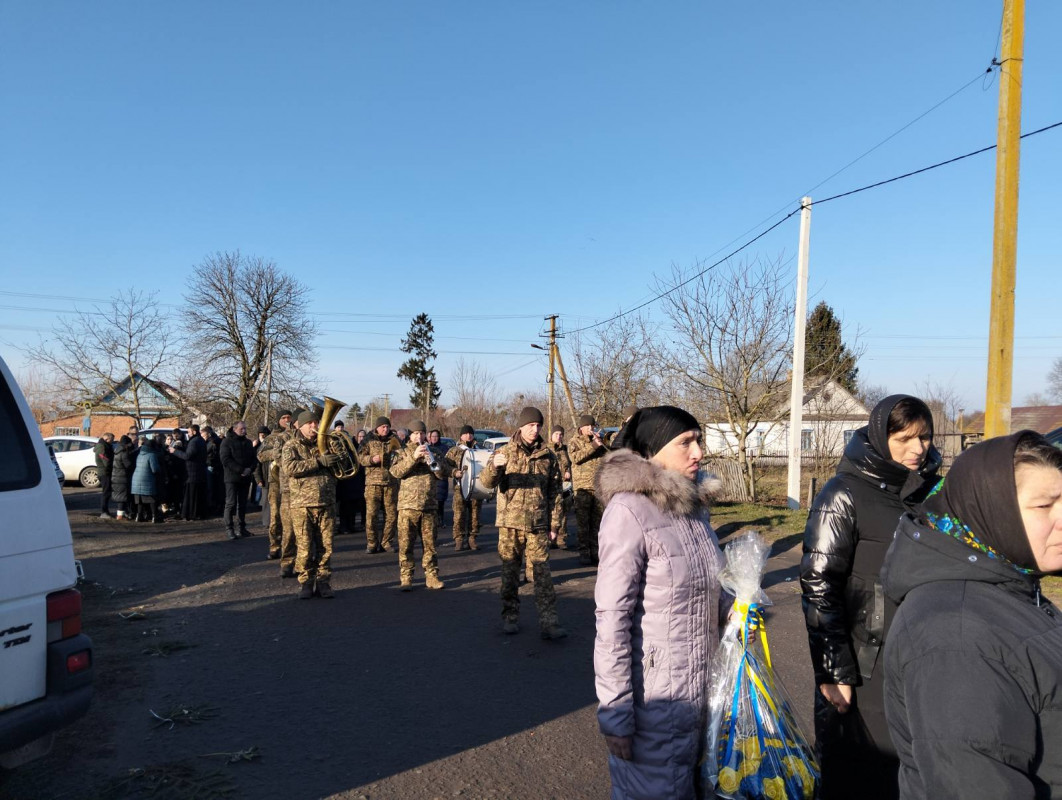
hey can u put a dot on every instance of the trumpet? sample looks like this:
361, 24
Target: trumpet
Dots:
336, 442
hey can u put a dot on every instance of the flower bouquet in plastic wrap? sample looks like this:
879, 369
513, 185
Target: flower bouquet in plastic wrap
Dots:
755, 747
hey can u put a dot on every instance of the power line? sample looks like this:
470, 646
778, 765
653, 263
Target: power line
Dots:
440, 352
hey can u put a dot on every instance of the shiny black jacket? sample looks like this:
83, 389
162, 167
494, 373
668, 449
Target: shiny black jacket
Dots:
973, 672
849, 530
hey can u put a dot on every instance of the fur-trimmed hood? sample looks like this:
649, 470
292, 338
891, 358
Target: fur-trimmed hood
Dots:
626, 471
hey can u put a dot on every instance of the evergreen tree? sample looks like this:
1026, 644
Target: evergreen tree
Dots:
418, 369
825, 355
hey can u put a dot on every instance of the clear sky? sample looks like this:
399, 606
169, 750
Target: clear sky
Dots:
491, 163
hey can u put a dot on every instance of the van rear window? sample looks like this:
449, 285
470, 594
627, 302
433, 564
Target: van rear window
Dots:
19, 468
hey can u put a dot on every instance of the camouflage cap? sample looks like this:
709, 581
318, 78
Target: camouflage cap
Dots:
418, 426
307, 416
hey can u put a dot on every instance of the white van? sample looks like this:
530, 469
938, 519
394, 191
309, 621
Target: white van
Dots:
45, 660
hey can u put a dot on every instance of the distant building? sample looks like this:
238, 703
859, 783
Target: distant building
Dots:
1042, 419
114, 412
831, 415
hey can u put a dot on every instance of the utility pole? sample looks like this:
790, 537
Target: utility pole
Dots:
1005, 226
427, 403
269, 382
549, 375
387, 406
796, 396
564, 383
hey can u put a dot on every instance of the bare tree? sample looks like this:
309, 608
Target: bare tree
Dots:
1036, 399
103, 357
49, 395
1054, 380
871, 394
946, 405
731, 347
609, 368
474, 389
241, 313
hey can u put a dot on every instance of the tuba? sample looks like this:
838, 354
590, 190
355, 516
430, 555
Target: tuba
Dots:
337, 442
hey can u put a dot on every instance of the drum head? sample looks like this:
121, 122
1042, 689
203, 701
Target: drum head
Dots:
473, 463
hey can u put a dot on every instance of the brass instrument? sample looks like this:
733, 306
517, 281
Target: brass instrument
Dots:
336, 442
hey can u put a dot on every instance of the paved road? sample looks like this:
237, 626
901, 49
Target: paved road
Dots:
375, 694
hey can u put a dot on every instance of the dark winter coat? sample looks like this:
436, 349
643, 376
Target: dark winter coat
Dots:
122, 472
658, 607
104, 453
973, 672
194, 457
213, 453
237, 455
148, 478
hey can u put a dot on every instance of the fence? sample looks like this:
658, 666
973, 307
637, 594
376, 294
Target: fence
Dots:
728, 470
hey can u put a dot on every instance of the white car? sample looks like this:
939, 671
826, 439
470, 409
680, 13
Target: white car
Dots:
76, 459
492, 444
46, 661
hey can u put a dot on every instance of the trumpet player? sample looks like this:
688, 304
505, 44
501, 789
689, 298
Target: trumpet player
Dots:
312, 487
466, 512
419, 470
586, 451
381, 489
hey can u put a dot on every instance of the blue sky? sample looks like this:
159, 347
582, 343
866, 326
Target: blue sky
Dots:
511, 160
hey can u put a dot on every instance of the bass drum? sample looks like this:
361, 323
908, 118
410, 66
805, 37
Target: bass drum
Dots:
473, 462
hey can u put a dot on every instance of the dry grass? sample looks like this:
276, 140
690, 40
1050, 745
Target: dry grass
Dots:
777, 524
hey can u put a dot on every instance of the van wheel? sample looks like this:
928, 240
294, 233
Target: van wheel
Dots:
89, 478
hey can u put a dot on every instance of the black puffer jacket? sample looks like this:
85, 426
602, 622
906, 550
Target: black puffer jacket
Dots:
844, 606
973, 672
237, 455
122, 472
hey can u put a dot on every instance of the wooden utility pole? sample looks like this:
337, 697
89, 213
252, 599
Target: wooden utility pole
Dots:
564, 383
549, 375
796, 396
427, 404
387, 406
1005, 228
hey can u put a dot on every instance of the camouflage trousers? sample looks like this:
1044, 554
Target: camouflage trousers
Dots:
314, 528
375, 497
466, 516
588, 512
562, 531
411, 525
512, 544
288, 548
281, 540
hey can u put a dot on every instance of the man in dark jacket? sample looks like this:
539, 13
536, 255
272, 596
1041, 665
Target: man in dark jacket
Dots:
215, 473
104, 452
193, 506
238, 460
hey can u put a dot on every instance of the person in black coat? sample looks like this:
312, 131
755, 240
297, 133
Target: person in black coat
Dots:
193, 505
122, 475
973, 662
215, 473
888, 467
238, 460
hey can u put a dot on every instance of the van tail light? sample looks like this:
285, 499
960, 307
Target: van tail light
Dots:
79, 661
64, 614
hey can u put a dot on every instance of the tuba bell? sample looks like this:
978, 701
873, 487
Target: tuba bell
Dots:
336, 442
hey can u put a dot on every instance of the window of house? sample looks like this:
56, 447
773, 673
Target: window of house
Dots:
807, 440
67, 432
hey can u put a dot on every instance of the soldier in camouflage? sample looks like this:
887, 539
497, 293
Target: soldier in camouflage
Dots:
526, 474
466, 512
418, 469
376, 455
586, 451
564, 461
281, 534
312, 488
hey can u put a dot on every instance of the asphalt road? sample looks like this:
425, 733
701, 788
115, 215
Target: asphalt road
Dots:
376, 694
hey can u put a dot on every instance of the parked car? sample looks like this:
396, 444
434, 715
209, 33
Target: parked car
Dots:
76, 459
492, 444
484, 434
46, 662
55, 465
1055, 437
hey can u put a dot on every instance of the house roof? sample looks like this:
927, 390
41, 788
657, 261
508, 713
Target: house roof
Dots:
1042, 419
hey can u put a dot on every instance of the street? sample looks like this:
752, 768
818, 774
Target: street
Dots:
375, 694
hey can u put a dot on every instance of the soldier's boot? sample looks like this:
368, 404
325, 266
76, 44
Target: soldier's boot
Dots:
472, 542
553, 631
324, 589
405, 583
287, 572
274, 554
459, 543
306, 591
431, 580
510, 627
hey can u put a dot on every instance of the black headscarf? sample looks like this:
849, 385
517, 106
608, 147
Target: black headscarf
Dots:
878, 426
650, 429
978, 498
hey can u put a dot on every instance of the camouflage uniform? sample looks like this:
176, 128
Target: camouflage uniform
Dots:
281, 533
586, 458
312, 493
530, 484
466, 512
417, 503
564, 462
380, 489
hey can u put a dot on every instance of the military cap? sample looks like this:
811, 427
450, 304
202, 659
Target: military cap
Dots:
382, 421
466, 429
587, 419
418, 426
307, 416
528, 415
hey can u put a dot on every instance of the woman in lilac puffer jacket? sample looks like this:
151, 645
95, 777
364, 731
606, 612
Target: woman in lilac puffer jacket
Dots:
659, 605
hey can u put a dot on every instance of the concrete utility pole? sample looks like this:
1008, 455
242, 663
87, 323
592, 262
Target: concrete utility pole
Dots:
1005, 234
796, 396
549, 375
269, 382
427, 404
387, 406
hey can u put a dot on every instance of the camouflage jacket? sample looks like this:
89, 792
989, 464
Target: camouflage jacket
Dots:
530, 481
418, 488
269, 454
456, 455
586, 458
388, 450
309, 484
564, 461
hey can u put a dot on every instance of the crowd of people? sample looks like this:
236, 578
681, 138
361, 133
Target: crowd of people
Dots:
937, 661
